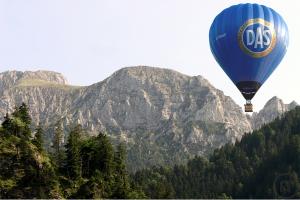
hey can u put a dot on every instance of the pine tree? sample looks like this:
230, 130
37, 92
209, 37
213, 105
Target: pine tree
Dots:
102, 166
21, 122
38, 138
121, 182
58, 155
73, 157
25, 171
6, 125
22, 112
104, 155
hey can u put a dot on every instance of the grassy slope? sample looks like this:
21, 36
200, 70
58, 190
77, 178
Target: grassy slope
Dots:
43, 83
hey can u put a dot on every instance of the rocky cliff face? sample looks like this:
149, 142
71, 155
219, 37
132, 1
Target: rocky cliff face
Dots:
272, 109
46, 93
164, 117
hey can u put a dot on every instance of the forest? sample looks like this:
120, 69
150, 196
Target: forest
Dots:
82, 167
264, 164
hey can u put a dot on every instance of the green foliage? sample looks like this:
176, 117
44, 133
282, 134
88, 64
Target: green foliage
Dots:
26, 170
92, 168
57, 146
122, 186
104, 170
6, 125
104, 154
22, 113
73, 159
264, 164
38, 138
19, 123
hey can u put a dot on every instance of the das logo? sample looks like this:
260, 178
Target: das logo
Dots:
257, 37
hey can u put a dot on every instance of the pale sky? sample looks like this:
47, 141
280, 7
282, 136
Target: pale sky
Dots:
87, 40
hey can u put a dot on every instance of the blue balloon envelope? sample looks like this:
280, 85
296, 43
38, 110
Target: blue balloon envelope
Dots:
248, 41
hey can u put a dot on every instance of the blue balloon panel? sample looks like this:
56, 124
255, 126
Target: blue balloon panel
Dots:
248, 41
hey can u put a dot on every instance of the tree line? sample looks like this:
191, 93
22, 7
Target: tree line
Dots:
264, 164
83, 167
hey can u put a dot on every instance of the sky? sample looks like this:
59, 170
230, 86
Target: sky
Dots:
88, 40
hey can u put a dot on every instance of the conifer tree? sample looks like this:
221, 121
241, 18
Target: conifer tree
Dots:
22, 112
121, 182
25, 171
6, 125
73, 157
38, 138
58, 155
104, 154
20, 122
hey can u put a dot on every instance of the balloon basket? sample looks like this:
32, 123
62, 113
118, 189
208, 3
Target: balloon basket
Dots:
248, 106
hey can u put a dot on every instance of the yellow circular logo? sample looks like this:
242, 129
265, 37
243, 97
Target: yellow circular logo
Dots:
257, 37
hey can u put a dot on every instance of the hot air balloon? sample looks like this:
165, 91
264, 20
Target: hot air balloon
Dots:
248, 41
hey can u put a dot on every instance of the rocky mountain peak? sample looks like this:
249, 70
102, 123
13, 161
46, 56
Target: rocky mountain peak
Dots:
292, 105
9, 79
275, 107
144, 74
272, 100
146, 71
49, 76
275, 103
152, 73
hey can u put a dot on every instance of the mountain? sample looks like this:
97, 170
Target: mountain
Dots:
163, 116
274, 108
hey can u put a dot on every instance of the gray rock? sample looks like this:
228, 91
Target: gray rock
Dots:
163, 116
273, 108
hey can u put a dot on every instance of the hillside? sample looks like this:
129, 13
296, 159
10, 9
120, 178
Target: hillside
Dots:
264, 164
163, 116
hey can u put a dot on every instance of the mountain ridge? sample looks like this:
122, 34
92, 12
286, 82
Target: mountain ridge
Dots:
164, 116
274, 107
